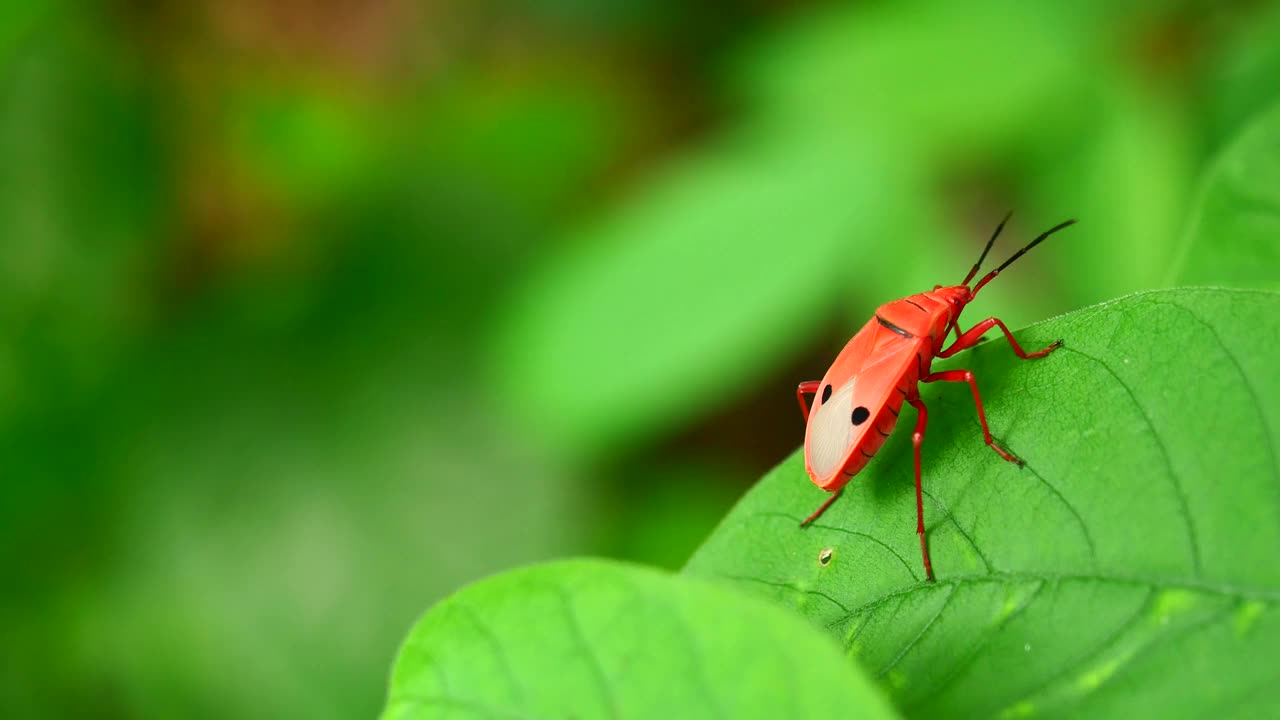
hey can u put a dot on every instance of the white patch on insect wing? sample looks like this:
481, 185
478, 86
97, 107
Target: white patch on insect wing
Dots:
831, 432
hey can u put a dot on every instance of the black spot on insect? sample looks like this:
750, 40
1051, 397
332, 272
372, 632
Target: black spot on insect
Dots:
860, 415
826, 393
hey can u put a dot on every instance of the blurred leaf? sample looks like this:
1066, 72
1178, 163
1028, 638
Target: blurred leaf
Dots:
1126, 570
313, 143
1242, 77
666, 509
81, 192
258, 587
706, 278
926, 75
1137, 147
17, 21
276, 504
590, 638
1233, 237
608, 15
535, 141
82, 188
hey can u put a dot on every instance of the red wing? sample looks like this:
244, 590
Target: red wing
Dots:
862, 378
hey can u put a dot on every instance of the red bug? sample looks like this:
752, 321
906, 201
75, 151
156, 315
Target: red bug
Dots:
880, 369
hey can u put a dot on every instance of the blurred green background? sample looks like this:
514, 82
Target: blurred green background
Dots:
312, 312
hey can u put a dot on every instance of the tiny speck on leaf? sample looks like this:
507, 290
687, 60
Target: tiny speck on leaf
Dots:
824, 557
1026, 648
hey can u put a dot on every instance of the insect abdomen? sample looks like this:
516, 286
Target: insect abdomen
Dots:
881, 428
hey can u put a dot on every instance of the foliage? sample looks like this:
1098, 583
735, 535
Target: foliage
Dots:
1122, 570
1081, 583
311, 313
1234, 236
603, 639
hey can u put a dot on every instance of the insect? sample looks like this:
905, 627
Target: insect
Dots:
856, 405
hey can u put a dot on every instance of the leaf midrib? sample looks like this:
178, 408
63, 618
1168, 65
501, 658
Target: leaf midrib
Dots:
1013, 577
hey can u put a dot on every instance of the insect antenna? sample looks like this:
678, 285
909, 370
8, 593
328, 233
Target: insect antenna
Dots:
986, 249
1039, 239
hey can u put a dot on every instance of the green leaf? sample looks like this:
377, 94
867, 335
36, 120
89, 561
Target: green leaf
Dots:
1238, 80
1128, 568
590, 638
1234, 234
1139, 150
252, 482
860, 68
706, 278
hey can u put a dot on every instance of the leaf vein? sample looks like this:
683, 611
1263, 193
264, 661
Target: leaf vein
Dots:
788, 586
1179, 492
584, 648
1075, 513
951, 592
498, 651
1093, 652
1264, 596
991, 631
1244, 377
956, 523
1084, 527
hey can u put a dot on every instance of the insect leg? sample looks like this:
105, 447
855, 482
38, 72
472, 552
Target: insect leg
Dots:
966, 376
974, 335
917, 439
817, 513
806, 388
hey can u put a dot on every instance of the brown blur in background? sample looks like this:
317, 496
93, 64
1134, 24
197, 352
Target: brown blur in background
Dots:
312, 312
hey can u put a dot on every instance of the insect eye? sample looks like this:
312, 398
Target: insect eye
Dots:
860, 415
826, 393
